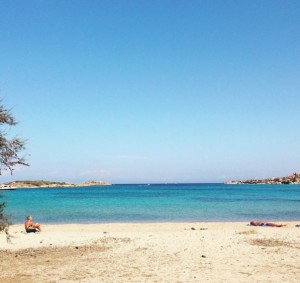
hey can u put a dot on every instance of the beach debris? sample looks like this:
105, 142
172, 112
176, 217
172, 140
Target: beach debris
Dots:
204, 256
193, 228
248, 232
265, 243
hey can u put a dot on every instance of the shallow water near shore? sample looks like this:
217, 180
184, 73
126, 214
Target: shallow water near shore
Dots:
155, 203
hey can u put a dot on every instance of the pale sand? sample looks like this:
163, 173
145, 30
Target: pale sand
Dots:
161, 252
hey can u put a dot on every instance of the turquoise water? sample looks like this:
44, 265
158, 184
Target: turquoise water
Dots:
155, 203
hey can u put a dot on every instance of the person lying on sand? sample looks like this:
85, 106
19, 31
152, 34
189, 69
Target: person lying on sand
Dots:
30, 226
259, 223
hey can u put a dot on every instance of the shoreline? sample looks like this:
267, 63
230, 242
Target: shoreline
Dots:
138, 222
152, 252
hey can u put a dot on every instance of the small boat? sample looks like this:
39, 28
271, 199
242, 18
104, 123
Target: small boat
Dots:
6, 188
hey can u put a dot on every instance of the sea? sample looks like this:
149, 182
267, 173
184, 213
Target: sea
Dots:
155, 203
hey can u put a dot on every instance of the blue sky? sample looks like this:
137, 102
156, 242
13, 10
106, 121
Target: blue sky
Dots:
153, 91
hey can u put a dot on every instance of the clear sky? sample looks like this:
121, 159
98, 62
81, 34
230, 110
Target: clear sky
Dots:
153, 91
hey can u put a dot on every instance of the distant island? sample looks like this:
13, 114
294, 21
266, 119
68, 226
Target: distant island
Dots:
291, 179
49, 184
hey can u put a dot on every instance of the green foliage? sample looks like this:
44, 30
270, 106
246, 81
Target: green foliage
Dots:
4, 223
10, 148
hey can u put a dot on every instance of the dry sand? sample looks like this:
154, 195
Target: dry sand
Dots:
160, 252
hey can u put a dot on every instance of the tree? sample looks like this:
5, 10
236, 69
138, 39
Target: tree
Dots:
10, 149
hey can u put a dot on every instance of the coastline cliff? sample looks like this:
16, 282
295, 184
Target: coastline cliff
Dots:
49, 184
291, 179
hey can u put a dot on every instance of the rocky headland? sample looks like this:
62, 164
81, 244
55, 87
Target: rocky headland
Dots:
49, 184
291, 179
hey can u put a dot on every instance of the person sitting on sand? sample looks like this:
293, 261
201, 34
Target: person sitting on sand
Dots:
30, 226
259, 223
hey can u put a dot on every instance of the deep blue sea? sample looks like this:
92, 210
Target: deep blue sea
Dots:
155, 203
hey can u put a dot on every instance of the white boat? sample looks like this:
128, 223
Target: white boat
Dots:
4, 187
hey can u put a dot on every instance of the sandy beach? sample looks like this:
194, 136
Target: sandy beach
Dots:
152, 252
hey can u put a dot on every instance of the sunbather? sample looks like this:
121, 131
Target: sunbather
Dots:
259, 223
30, 226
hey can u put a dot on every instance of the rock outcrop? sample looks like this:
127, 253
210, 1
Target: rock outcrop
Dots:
291, 179
93, 183
49, 184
